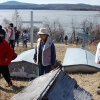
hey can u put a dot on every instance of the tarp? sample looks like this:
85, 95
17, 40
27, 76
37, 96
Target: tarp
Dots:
80, 60
26, 56
24, 65
55, 85
78, 56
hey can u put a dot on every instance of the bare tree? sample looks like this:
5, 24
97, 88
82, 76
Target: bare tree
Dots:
73, 30
94, 28
16, 19
55, 28
5, 22
86, 23
96, 32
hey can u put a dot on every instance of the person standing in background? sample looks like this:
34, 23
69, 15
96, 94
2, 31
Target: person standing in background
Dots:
4, 33
45, 54
17, 34
10, 31
97, 56
6, 54
25, 38
66, 38
77, 40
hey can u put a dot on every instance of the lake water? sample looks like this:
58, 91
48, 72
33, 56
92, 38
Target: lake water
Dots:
64, 16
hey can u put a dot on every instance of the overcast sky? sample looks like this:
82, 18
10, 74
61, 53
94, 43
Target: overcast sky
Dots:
92, 2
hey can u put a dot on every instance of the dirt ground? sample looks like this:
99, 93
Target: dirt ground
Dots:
89, 82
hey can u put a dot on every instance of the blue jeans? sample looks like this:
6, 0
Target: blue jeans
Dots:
16, 40
44, 69
25, 43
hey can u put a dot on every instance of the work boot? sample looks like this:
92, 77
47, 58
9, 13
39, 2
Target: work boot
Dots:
98, 92
98, 86
9, 84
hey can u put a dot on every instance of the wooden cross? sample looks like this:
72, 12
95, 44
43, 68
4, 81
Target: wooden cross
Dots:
85, 37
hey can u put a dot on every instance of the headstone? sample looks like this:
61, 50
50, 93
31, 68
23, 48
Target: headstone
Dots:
85, 37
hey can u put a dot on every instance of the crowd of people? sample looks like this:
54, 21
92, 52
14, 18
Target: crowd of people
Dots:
13, 35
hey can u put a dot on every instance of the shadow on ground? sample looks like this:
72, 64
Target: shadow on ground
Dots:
13, 89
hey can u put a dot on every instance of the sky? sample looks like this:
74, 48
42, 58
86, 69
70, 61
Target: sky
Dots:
91, 2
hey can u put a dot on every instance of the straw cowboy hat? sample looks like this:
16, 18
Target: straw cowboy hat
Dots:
43, 31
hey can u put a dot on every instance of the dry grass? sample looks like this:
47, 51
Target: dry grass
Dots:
89, 82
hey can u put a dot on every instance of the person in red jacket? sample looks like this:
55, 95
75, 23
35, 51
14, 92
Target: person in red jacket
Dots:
6, 53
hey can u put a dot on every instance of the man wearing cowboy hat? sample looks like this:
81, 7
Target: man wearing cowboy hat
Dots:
45, 54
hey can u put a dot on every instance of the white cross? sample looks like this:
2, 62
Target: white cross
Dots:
31, 21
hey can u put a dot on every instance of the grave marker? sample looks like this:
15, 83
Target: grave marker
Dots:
85, 37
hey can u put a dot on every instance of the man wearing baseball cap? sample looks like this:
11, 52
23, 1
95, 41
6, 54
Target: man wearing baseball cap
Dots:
45, 54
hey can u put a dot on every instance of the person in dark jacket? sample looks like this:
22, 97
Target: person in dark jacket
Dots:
3, 31
6, 54
17, 34
77, 40
45, 54
66, 38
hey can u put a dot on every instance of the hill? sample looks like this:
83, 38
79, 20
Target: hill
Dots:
22, 5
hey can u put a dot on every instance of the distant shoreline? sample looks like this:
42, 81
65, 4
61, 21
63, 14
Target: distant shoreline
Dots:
44, 9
